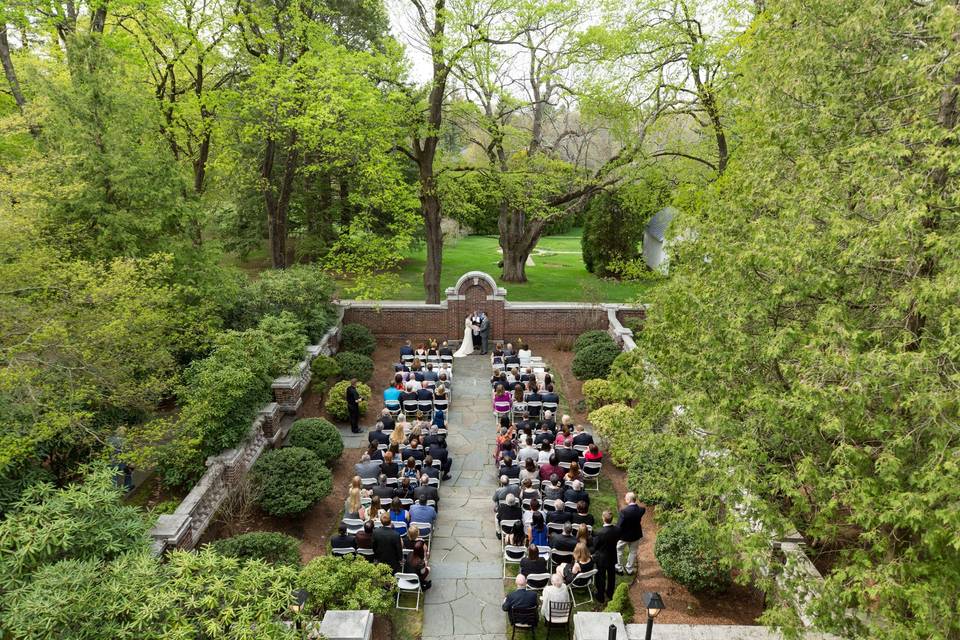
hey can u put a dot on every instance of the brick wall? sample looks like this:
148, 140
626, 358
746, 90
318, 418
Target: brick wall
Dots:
476, 290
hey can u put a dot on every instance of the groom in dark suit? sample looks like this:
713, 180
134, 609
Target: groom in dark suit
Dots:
484, 332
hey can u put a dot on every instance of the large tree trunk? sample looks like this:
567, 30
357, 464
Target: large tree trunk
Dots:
430, 208
518, 237
278, 203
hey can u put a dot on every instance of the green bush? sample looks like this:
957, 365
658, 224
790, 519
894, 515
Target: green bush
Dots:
336, 404
612, 231
357, 338
348, 584
599, 393
620, 603
291, 480
271, 547
617, 425
324, 367
590, 338
662, 466
302, 290
16, 479
222, 393
688, 552
594, 361
317, 435
354, 365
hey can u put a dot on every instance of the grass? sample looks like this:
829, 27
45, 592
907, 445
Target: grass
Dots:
407, 625
555, 276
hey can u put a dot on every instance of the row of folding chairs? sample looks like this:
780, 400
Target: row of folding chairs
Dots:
355, 526
411, 408
538, 581
515, 410
406, 359
590, 471
435, 482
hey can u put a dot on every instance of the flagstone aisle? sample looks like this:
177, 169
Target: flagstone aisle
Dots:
465, 560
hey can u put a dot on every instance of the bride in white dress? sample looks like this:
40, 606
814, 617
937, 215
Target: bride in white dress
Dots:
466, 347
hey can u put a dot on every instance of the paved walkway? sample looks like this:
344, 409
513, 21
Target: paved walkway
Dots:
465, 560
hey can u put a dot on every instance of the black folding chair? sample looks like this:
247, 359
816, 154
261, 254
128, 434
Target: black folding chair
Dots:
524, 619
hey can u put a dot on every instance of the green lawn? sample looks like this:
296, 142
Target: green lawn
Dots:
554, 276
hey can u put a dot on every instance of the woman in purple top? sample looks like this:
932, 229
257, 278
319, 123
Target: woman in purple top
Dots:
501, 399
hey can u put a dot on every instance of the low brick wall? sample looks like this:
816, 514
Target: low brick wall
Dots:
508, 320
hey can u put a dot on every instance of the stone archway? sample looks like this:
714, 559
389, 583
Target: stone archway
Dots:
477, 290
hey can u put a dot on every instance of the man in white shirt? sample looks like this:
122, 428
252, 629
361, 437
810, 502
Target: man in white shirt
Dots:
528, 451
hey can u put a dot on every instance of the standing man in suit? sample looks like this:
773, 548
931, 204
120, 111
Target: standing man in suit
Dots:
387, 546
484, 333
631, 533
605, 543
353, 406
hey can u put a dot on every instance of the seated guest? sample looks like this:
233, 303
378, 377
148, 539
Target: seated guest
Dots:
559, 514
566, 454
525, 424
377, 434
529, 513
580, 437
439, 418
405, 489
552, 489
582, 516
534, 394
593, 453
582, 562
430, 375
529, 450
367, 468
551, 468
391, 395
427, 491
375, 510
575, 493
420, 511
389, 468
445, 380
524, 352
399, 515
557, 592
509, 469
445, 351
529, 471
563, 434
502, 400
522, 598
504, 489
421, 351
440, 452
383, 490
428, 469
508, 349
518, 394
398, 434
532, 563
527, 490
548, 396
509, 509
511, 358
544, 437
573, 473
497, 356
375, 454
351, 506
387, 419
406, 349
543, 455
364, 539
432, 349
433, 437
387, 546
416, 365
425, 394
342, 540
413, 534
507, 452
417, 563
548, 423
537, 533
565, 541
410, 469
413, 450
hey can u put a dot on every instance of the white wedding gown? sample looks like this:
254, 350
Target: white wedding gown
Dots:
466, 347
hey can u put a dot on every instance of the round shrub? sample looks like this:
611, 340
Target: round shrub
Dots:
594, 361
336, 404
599, 393
324, 367
357, 338
688, 552
317, 435
291, 480
590, 338
348, 584
354, 365
271, 547
620, 603
662, 465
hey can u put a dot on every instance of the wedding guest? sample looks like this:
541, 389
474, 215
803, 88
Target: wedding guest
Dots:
445, 350
364, 539
389, 468
420, 353
397, 436
593, 453
351, 507
529, 470
416, 563
375, 454
543, 456
555, 592
410, 469
552, 467
573, 473
582, 562
501, 400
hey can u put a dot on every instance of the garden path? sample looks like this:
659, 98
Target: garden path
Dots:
465, 558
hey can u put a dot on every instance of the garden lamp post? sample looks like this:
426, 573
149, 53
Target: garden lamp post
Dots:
654, 606
299, 599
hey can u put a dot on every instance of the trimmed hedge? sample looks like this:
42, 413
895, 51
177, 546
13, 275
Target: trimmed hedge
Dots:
617, 425
620, 603
599, 393
594, 361
688, 552
357, 338
274, 548
291, 480
349, 583
662, 466
336, 404
354, 365
590, 338
324, 367
318, 435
